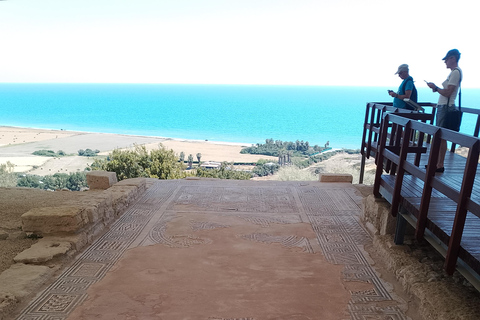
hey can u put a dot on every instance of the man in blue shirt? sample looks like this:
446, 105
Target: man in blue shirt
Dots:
406, 90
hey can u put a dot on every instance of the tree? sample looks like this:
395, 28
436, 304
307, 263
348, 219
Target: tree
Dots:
30, 181
159, 163
7, 177
280, 157
264, 168
199, 156
190, 160
164, 165
182, 156
71, 181
76, 181
289, 156
124, 163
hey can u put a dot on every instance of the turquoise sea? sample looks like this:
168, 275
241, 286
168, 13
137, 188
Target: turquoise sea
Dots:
230, 113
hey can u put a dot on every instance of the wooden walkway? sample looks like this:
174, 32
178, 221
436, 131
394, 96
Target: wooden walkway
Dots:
444, 208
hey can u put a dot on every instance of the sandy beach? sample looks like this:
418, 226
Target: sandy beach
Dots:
18, 144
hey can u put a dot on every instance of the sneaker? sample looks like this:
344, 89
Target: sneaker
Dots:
442, 169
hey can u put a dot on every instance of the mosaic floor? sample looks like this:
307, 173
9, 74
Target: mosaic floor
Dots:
331, 210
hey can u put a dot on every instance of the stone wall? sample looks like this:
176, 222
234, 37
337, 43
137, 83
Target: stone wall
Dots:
418, 268
64, 231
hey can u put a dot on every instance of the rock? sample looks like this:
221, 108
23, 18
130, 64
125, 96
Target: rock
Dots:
336, 177
3, 235
101, 179
20, 280
42, 251
50, 220
7, 303
17, 235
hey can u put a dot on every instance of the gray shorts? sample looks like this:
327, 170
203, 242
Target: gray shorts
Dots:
442, 110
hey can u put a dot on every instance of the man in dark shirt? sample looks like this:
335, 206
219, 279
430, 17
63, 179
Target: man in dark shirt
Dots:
406, 90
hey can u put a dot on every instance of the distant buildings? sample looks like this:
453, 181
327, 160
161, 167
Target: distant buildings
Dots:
211, 165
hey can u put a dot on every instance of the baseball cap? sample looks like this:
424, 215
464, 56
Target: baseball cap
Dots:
402, 67
454, 53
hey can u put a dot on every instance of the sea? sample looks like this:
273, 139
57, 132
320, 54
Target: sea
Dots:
246, 114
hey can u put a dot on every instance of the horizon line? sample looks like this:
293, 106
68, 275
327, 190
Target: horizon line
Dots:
200, 84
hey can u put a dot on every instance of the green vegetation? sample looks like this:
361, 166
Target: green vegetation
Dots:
160, 163
279, 148
297, 154
88, 152
165, 164
265, 168
71, 181
190, 160
8, 178
49, 153
224, 172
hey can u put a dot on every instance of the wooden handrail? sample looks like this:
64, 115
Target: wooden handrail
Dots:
374, 114
397, 149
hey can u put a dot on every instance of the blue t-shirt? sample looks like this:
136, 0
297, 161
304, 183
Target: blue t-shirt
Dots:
397, 103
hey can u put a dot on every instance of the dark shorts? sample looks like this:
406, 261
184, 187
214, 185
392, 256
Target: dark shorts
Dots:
442, 110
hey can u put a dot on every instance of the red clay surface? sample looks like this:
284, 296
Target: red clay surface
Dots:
220, 274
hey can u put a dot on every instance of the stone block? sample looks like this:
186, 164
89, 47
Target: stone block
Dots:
8, 303
50, 220
101, 179
336, 177
140, 183
21, 280
42, 251
376, 213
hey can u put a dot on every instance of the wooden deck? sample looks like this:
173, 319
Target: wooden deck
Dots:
444, 208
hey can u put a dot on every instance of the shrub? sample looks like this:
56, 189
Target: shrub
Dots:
7, 177
50, 153
71, 181
265, 168
224, 172
45, 153
88, 152
160, 163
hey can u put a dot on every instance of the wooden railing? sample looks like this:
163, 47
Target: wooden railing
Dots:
444, 205
374, 114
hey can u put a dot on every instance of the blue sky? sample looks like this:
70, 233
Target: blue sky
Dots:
297, 42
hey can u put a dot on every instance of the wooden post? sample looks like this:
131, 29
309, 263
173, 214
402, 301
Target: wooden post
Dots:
461, 213
405, 142
427, 189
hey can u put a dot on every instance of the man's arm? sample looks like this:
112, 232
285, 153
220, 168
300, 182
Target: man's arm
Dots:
448, 91
407, 95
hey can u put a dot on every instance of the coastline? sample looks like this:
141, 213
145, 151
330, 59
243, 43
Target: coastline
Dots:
18, 143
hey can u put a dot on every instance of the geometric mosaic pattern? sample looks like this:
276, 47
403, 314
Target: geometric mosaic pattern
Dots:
331, 212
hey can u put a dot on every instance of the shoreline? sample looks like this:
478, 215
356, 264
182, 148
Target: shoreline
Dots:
3, 127
18, 143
